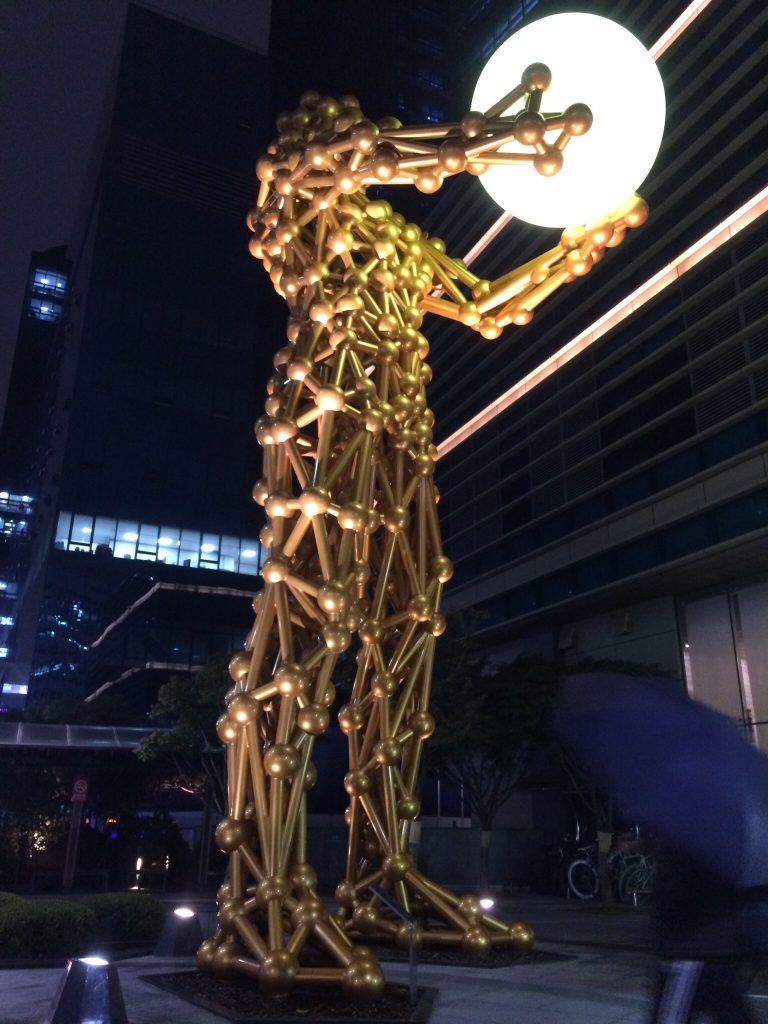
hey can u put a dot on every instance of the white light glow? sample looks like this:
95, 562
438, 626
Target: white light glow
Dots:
131, 536
164, 542
184, 912
593, 61
94, 961
207, 548
486, 903
248, 553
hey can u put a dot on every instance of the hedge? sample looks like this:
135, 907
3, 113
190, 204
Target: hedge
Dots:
126, 916
10, 897
31, 928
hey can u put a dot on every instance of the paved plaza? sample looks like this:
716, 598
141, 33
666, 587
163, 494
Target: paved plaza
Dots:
603, 978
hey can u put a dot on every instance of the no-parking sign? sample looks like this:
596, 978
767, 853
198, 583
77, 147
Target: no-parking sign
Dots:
79, 791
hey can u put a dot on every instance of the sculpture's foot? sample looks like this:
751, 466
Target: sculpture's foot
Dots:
282, 940
443, 919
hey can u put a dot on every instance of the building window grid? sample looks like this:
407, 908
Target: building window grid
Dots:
745, 372
481, 455
148, 542
676, 542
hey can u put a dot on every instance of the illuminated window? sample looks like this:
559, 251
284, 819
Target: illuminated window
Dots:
48, 282
3, 652
15, 687
44, 309
6, 620
150, 543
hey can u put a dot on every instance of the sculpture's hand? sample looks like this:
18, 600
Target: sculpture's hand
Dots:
512, 298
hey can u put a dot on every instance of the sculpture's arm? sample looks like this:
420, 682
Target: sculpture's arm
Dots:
311, 201
512, 298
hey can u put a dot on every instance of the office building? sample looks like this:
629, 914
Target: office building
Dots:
164, 336
604, 470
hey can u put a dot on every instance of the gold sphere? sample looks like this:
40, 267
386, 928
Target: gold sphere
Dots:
275, 570
239, 665
521, 936
282, 761
278, 972
578, 119
205, 954
408, 807
313, 719
336, 636
352, 516
363, 981
330, 398
529, 127
314, 502
357, 782
351, 718
422, 723
536, 78
303, 876
451, 157
243, 709
366, 919
476, 941
346, 896
307, 912
548, 163
473, 124
383, 685
230, 833
226, 729
396, 866
291, 680
469, 907
388, 751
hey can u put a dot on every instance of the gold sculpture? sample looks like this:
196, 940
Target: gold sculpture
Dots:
352, 525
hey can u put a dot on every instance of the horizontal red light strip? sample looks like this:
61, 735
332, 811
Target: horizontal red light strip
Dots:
670, 273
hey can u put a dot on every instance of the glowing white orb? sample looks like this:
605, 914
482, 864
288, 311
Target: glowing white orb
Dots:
593, 61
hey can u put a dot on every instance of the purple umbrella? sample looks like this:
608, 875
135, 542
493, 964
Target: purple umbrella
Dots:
675, 765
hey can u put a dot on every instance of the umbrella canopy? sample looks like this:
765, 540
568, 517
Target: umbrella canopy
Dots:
675, 765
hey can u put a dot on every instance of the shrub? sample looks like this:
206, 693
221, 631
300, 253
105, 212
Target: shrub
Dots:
15, 929
126, 916
10, 897
59, 927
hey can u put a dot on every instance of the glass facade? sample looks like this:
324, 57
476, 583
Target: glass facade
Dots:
130, 539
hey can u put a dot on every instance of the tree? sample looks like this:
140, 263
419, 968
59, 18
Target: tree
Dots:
490, 721
187, 745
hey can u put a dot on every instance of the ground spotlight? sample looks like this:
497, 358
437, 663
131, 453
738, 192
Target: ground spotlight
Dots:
88, 993
181, 934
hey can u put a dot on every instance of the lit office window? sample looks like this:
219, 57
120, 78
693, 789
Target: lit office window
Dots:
44, 309
48, 282
3, 652
6, 620
22, 688
125, 538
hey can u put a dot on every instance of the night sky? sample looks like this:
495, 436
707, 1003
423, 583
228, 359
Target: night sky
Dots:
58, 59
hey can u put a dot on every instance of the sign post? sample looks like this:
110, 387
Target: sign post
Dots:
77, 799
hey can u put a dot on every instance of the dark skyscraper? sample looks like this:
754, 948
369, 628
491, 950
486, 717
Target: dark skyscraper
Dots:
169, 336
